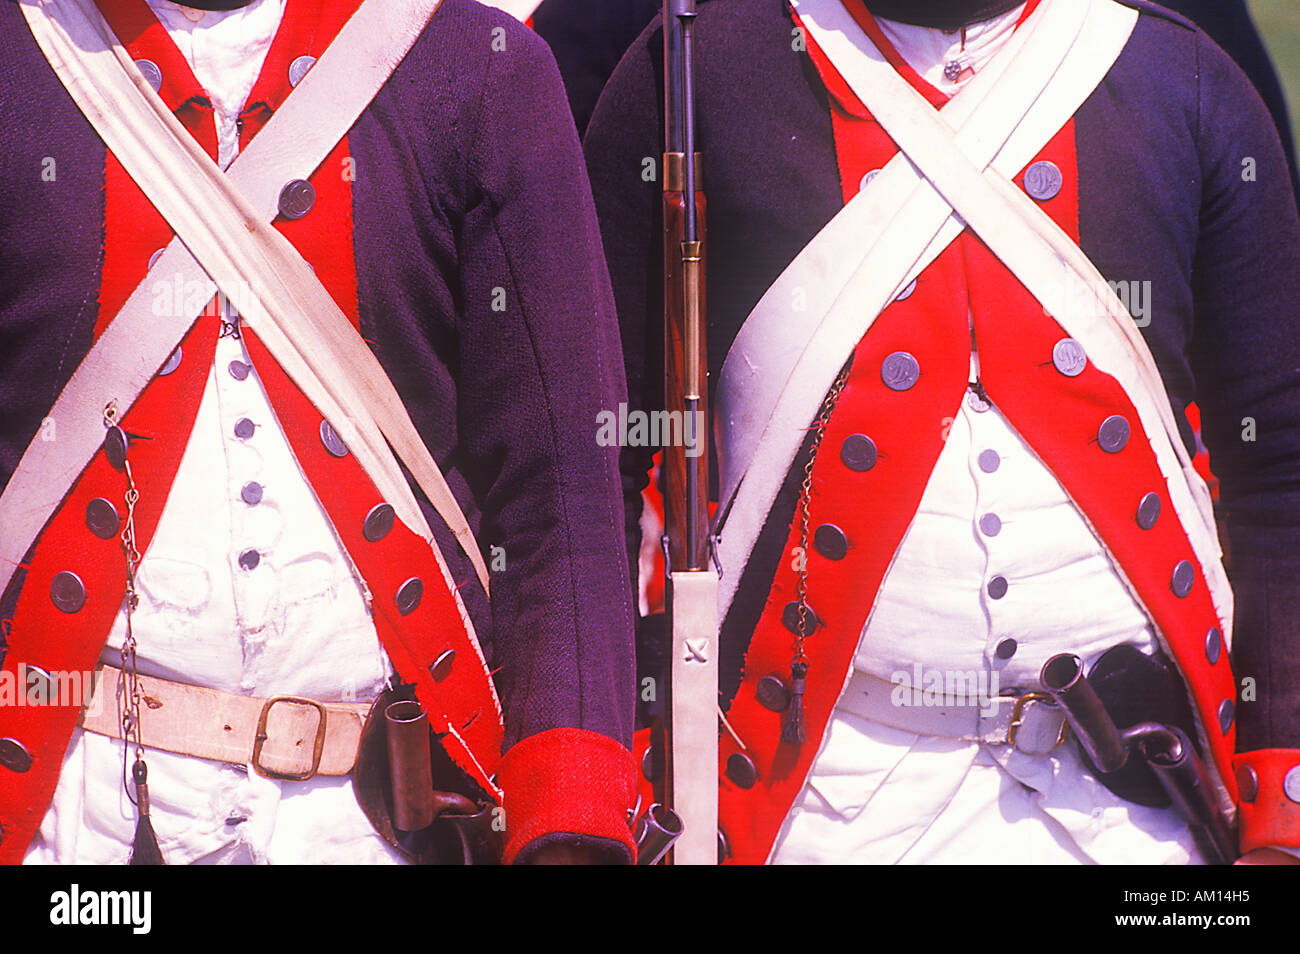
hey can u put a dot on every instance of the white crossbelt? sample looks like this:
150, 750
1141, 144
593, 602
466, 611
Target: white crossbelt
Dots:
1055, 270
223, 221
947, 172
1005, 115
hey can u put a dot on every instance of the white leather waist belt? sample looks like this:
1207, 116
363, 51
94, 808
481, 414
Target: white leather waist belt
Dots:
285, 737
1029, 721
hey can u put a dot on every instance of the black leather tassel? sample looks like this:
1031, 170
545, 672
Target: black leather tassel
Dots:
144, 849
792, 729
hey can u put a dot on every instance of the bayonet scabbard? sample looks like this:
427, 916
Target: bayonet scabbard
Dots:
409, 765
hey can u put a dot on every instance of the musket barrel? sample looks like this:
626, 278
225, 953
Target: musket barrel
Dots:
686, 17
672, 78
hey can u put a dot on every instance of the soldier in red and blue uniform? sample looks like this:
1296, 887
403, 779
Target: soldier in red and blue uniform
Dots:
932, 502
454, 228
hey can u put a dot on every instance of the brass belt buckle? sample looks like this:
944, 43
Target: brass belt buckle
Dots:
260, 739
1018, 717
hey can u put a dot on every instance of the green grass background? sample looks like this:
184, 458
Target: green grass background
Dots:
1279, 23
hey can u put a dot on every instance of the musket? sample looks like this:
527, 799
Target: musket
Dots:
692, 590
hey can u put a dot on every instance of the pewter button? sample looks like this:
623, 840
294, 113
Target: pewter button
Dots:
67, 592
1148, 511
14, 756
1007, 648
1291, 784
297, 199
907, 292
244, 428
152, 75
379, 522
1043, 180
330, 438
440, 669
900, 371
1069, 358
1113, 434
772, 694
741, 770
990, 524
238, 370
1226, 712
102, 518
115, 447
249, 559
251, 493
153, 259
40, 684
977, 402
790, 617
1213, 645
866, 180
858, 452
1183, 579
831, 542
173, 362
990, 461
1247, 783
409, 595
299, 67
998, 587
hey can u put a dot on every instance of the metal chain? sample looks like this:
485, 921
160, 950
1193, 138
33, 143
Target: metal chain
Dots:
805, 495
130, 714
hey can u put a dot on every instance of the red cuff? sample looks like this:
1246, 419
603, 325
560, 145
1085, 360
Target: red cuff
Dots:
567, 781
1269, 784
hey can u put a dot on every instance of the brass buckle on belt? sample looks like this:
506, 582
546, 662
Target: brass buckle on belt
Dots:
260, 739
1018, 717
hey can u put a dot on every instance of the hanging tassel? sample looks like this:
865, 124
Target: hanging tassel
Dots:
144, 850
792, 730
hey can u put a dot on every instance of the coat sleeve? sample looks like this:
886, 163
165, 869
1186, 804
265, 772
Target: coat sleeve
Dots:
539, 360
1247, 351
1230, 24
